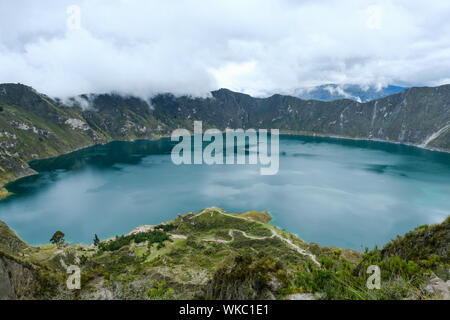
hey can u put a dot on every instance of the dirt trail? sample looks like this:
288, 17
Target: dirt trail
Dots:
231, 234
274, 234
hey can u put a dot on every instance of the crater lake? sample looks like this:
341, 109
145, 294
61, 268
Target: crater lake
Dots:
335, 192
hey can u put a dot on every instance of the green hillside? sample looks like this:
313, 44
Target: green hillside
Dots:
211, 255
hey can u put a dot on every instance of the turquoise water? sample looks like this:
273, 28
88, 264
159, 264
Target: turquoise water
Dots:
349, 194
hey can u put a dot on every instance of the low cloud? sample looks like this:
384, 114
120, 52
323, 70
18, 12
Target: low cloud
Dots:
193, 47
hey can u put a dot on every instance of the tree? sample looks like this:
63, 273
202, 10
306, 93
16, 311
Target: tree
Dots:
57, 238
96, 240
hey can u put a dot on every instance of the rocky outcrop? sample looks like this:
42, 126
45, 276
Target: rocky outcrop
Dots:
303, 296
9, 242
18, 280
438, 287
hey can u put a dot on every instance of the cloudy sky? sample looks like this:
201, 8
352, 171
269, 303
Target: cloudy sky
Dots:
192, 47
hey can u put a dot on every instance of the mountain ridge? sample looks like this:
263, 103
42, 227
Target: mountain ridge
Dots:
331, 92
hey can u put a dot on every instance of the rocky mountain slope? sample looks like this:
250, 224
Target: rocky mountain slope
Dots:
19, 278
212, 254
32, 125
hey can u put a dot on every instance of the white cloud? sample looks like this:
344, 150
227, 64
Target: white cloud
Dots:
193, 47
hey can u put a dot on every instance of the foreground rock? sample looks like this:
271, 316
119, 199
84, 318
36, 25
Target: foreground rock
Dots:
439, 288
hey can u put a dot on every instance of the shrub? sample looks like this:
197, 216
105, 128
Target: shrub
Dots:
57, 238
154, 236
160, 291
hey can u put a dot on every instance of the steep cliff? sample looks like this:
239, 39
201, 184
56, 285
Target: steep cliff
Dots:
19, 277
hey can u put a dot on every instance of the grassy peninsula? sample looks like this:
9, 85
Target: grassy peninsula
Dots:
213, 254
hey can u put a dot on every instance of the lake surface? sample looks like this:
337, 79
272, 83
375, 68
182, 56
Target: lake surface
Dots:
345, 193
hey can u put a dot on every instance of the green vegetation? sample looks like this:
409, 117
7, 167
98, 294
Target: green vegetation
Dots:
159, 291
57, 238
263, 216
206, 263
153, 236
34, 126
428, 245
96, 240
166, 227
250, 277
339, 279
210, 222
406, 265
3, 192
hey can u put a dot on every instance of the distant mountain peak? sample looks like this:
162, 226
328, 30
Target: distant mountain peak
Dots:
360, 93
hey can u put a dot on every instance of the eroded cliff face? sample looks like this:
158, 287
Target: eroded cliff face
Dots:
25, 278
18, 280
10, 243
418, 116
